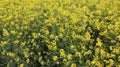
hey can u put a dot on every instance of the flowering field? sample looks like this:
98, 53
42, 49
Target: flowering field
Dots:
59, 33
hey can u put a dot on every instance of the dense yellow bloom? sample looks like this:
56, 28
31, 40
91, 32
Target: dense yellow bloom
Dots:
60, 32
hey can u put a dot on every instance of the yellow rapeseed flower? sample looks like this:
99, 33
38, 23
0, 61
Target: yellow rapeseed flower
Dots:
13, 32
11, 54
99, 43
35, 35
72, 47
21, 65
3, 43
78, 54
69, 57
55, 58
16, 41
5, 32
118, 58
62, 53
87, 36
73, 65
28, 60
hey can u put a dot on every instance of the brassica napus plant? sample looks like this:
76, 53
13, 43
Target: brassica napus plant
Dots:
59, 33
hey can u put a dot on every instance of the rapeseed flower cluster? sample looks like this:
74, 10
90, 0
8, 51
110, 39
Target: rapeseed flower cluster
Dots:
59, 33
